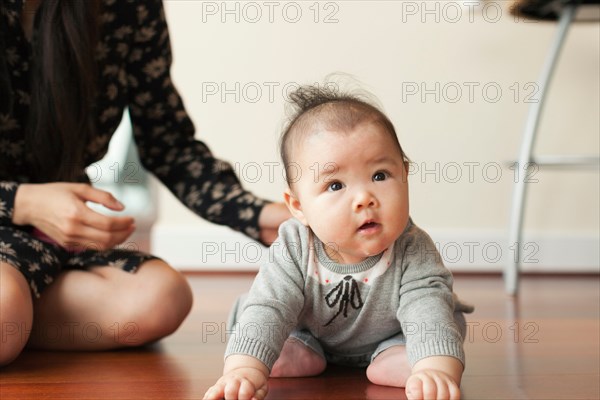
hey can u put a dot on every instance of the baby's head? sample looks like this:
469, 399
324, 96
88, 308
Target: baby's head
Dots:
346, 173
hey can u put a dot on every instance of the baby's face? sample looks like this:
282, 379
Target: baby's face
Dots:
351, 189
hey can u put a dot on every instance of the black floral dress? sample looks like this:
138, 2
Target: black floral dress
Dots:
134, 59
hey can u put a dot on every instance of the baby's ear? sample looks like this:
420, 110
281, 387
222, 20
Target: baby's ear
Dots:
406, 169
293, 204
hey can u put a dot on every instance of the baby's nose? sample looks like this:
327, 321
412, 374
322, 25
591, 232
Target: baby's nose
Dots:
364, 199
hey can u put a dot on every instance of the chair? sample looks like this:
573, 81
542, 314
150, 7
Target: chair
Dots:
566, 12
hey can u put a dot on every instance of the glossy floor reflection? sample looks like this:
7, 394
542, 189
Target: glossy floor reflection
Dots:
543, 345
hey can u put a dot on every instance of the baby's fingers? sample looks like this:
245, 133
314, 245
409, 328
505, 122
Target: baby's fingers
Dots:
239, 389
414, 388
431, 387
247, 391
454, 392
442, 389
214, 392
421, 387
261, 393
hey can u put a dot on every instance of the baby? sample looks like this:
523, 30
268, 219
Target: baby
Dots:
351, 279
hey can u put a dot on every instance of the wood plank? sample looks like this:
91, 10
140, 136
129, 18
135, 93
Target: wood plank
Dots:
554, 353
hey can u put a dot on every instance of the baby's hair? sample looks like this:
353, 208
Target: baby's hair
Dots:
327, 108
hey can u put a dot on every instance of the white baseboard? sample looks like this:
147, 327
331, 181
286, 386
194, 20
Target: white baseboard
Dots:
214, 248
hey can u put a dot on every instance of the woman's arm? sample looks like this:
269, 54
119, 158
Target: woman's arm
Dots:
8, 192
165, 135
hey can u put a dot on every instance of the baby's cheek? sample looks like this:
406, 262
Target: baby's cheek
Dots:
329, 233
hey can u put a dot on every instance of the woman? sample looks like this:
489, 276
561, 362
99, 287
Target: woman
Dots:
67, 71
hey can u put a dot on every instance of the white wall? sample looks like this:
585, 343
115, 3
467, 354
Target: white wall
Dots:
394, 47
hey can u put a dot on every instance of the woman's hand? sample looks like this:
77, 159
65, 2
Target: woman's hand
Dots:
271, 216
59, 211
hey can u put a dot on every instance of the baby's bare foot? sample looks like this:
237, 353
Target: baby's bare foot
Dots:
297, 360
390, 368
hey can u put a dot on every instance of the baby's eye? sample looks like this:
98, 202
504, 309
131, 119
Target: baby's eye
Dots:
335, 186
379, 176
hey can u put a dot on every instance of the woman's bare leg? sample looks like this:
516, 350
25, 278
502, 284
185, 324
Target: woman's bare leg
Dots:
106, 308
16, 313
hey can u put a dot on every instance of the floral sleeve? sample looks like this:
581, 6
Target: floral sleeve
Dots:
8, 190
165, 134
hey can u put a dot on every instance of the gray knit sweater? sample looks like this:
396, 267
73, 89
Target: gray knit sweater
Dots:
350, 309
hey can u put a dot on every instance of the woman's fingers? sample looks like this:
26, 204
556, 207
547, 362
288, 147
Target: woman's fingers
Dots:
90, 193
271, 216
102, 222
90, 238
60, 211
96, 229
92, 229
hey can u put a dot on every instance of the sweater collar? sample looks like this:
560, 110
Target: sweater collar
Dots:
338, 268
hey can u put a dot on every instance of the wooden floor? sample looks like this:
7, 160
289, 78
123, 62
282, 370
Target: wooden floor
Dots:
545, 345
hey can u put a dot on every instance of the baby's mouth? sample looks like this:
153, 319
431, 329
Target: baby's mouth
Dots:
369, 225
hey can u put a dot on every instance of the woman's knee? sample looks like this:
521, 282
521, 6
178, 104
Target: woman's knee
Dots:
16, 313
160, 303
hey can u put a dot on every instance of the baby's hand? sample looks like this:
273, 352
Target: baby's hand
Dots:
245, 383
431, 384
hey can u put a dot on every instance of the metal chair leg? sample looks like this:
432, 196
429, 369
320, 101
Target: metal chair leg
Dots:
511, 271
